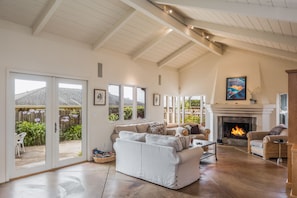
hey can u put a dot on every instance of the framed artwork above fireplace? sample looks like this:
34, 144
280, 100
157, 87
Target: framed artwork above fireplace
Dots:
236, 88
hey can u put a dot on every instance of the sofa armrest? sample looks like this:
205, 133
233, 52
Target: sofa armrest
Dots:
189, 154
113, 137
257, 135
206, 132
271, 138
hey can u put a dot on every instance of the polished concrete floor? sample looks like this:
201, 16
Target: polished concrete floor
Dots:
235, 174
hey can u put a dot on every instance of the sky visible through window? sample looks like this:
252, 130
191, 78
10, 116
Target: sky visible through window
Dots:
22, 86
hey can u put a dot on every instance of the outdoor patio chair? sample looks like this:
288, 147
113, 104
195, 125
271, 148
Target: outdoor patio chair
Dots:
20, 142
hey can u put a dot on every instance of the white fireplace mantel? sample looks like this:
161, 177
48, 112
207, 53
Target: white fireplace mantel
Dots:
261, 111
240, 108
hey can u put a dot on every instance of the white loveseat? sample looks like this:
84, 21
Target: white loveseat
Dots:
157, 159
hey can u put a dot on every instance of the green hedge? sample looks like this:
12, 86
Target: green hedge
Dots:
36, 133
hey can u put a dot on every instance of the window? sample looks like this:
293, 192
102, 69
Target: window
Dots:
194, 110
187, 109
140, 102
126, 102
114, 102
282, 109
171, 109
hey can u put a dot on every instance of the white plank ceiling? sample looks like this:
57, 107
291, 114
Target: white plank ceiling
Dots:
148, 30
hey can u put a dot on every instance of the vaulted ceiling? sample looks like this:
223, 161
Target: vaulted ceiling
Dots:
170, 33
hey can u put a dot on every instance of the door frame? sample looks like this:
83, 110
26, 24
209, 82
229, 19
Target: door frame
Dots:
10, 120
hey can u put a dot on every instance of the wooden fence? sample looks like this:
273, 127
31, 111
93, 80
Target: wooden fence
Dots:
68, 116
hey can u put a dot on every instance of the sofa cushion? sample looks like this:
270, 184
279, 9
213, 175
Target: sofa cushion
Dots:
131, 127
158, 128
142, 128
257, 143
277, 129
128, 135
163, 140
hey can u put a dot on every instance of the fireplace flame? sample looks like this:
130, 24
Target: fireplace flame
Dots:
237, 131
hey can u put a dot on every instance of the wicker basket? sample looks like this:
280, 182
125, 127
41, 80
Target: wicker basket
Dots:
102, 160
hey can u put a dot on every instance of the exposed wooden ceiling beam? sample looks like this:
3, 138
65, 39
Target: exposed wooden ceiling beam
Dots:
45, 16
175, 54
269, 12
155, 13
107, 35
259, 49
271, 37
151, 44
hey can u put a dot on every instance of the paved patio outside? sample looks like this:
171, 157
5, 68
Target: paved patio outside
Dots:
35, 155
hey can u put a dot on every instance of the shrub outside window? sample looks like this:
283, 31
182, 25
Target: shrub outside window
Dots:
126, 102
114, 102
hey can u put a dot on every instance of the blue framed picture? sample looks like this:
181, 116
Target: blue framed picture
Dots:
236, 88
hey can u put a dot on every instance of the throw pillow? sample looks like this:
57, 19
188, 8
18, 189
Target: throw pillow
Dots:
158, 128
180, 131
195, 129
277, 129
164, 140
128, 135
185, 140
188, 127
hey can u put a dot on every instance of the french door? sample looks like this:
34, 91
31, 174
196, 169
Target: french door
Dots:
50, 113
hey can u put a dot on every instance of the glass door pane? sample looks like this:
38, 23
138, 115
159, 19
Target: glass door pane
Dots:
30, 98
70, 120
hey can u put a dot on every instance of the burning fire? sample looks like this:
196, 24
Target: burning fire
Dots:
237, 131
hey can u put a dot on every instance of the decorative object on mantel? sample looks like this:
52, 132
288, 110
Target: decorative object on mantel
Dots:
253, 93
236, 88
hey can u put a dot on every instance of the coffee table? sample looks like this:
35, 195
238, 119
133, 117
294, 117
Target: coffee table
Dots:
203, 144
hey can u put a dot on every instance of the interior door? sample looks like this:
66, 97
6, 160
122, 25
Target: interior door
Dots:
50, 114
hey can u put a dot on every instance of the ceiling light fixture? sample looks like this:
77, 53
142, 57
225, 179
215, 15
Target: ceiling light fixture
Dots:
168, 10
191, 27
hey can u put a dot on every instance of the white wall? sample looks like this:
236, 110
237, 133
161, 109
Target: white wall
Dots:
207, 76
52, 55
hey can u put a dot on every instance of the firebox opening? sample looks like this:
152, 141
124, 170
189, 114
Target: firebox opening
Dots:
236, 130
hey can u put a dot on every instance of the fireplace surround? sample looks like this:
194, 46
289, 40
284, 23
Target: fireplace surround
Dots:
233, 129
256, 116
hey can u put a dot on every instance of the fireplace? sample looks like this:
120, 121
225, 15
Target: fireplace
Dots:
233, 129
259, 115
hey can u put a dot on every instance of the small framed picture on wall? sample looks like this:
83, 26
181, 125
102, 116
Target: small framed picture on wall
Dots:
156, 99
99, 97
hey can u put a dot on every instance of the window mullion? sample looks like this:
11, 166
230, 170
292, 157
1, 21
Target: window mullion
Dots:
121, 102
134, 109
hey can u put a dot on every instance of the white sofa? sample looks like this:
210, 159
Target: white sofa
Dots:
157, 159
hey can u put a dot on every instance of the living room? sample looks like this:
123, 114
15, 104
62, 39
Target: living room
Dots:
50, 54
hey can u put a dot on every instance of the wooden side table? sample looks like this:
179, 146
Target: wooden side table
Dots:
279, 142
